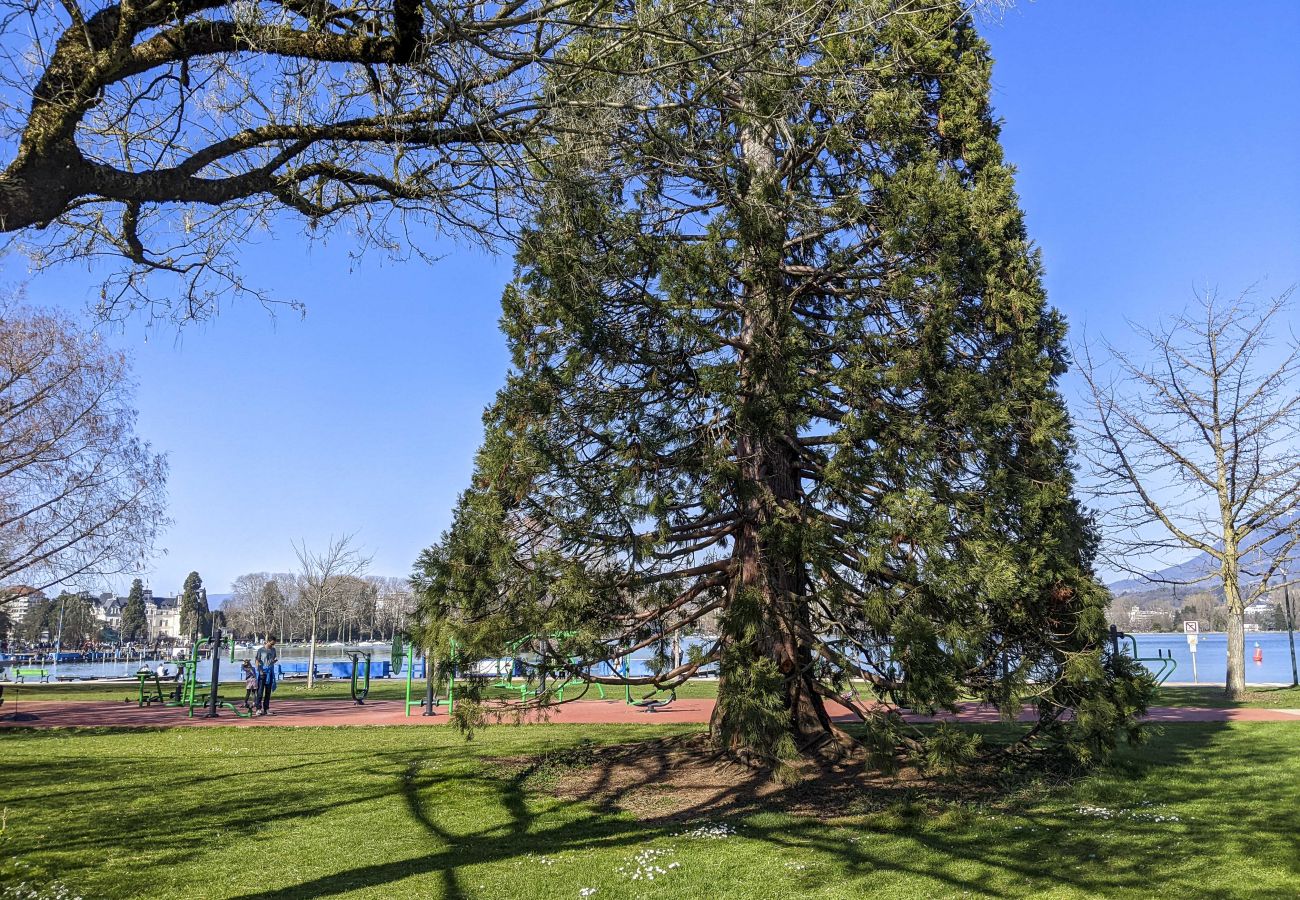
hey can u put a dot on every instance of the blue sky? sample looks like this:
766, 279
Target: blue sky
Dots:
1157, 150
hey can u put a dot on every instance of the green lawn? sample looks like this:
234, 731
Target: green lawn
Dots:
1200, 811
1266, 698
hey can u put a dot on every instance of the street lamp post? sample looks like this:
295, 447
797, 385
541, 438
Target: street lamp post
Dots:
1290, 633
58, 639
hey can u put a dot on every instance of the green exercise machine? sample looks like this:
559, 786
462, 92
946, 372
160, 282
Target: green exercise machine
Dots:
189, 694
360, 685
1164, 662
403, 656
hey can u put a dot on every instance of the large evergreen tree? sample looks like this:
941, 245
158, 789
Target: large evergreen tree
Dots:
194, 606
135, 624
38, 623
783, 364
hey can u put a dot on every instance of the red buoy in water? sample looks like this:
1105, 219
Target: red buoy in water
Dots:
1259, 654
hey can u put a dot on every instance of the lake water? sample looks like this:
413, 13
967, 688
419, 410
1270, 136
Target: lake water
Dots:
229, 672
1211, 659
1212, 656
326, 656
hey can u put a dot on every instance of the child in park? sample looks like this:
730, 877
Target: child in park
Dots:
250, 684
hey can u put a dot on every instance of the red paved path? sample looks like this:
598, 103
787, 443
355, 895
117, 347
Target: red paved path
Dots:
66, 713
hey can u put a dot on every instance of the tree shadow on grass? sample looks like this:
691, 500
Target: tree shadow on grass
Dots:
1143, 823
468, 814
1054, 841
1212, 697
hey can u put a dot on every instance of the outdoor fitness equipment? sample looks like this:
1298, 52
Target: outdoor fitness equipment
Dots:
1166, 664
651, 703
559, 689
14, 714
359, 694
504, 680
190, 695
150, 695
403, 655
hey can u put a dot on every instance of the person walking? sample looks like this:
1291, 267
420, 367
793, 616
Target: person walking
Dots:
266, 658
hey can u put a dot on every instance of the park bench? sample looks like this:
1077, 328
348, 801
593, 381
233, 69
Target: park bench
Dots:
21, 675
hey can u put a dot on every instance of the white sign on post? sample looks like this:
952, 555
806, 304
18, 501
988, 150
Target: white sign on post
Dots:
1192, 627
1193, 632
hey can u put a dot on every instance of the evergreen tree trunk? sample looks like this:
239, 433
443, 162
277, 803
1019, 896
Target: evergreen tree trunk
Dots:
768, 575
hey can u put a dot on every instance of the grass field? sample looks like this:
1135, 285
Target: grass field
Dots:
401, 812
394, 689
1264, 697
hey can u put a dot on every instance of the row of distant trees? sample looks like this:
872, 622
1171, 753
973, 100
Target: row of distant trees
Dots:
333, 603
351, 608
1211, 614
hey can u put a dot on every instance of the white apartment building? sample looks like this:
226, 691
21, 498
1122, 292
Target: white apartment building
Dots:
19, 600
162, 614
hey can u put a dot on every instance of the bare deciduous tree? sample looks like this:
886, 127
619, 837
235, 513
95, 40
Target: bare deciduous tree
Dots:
321, 578
394, 602
81, 496
166, 132
1196, 445
256, 603
163, 135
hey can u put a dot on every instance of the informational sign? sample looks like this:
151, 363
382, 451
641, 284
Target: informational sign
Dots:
1191, 641
1192, 627
1193, 631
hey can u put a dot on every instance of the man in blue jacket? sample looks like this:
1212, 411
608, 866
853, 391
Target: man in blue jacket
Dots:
266, 659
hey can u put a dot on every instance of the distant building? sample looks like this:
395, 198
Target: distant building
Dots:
19, 600
162, 614
107, 608
1140, 619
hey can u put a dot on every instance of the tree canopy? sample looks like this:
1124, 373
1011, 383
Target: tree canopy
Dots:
783, 366
162, 137
195, 616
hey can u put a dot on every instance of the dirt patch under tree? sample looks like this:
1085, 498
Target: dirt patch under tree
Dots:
685, 778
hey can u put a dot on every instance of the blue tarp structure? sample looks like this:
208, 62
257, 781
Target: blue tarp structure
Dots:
379, 668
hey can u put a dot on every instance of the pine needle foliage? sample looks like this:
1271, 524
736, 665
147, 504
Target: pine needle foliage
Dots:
784, 371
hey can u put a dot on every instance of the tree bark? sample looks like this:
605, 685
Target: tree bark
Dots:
1230, 571
779, 579
1235, 685
769, 485
311, 655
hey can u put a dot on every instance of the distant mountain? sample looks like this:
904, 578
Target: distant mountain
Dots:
1203, 564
